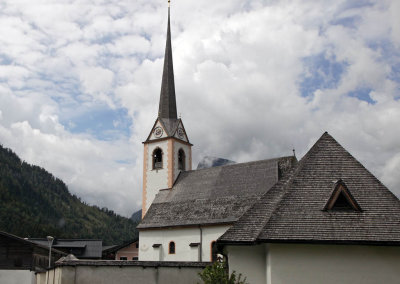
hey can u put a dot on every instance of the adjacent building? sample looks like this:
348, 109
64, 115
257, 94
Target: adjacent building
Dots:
324, 219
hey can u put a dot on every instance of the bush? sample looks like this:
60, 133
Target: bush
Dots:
218, 274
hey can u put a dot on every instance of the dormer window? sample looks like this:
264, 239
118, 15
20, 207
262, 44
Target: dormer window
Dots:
341, 199
181, 160
157, 159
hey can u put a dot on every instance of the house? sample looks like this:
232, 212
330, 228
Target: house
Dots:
126, 251
20, 258
325, 219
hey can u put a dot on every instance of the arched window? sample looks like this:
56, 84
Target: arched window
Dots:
157, 159
213, 249
181, 160
171, 248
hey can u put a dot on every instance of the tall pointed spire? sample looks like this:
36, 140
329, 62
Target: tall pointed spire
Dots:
167, 108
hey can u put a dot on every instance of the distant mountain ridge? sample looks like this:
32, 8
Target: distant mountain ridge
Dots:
33, 203
209, 162
137, 216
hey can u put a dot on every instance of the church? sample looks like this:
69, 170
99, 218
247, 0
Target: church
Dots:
321, 219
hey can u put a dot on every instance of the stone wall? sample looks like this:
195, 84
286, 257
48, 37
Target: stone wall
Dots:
102, 272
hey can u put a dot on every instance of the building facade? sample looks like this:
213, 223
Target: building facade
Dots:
323, 219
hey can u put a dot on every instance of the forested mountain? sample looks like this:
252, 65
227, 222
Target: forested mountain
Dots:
33, 203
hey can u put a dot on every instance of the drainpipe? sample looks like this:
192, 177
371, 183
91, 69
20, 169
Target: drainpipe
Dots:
201, 244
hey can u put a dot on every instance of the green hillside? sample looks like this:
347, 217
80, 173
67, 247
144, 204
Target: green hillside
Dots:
33, 203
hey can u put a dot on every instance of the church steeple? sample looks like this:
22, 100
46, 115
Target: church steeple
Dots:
167, 150
167, 108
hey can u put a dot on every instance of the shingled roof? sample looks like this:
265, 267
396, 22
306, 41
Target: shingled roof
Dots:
294, 210
214, 195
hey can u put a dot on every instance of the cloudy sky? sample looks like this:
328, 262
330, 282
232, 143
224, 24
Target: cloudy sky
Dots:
80, 83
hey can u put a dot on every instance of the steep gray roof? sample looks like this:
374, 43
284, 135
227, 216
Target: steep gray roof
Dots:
214, 195
170, 125
293, 210
167, 108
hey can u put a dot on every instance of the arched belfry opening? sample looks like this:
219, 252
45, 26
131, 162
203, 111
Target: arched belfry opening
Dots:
181, 160
157, 159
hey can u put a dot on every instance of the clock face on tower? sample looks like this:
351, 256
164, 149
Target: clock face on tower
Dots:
158, 132
181, 133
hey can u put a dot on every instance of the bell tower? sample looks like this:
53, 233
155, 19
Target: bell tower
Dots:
167, 150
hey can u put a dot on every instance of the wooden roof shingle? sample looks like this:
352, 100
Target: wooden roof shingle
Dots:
293, 209
214, 195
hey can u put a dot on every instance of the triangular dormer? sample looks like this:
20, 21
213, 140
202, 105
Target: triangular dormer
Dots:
341, 199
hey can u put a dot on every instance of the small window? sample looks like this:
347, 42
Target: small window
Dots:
171, 248
213, 249
123, 258
135, 258
181, 160
137, 245
157, 159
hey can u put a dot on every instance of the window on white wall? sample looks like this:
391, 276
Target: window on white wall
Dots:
213, 249
181, 160
157, 159
171, 248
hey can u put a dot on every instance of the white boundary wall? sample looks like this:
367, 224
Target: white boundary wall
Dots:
13, 276
106, 274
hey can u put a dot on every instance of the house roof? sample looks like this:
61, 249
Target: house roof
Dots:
214, 195
28, 242
90, 248
293, 209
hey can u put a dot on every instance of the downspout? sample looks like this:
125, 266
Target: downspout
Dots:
201, 244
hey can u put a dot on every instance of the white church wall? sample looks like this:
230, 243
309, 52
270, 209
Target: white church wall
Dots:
156, 179
328, 264
182, 238
250, 261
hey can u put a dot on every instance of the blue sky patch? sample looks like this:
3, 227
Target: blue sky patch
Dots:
362, 94
321, 72
103, 123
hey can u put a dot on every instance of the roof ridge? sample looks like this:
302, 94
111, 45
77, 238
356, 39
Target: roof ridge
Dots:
293, 174
242, 163
284, 183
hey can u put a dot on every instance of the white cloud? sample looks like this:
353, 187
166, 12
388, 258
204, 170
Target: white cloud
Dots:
239, 68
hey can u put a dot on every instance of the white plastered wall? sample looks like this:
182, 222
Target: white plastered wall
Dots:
182, 238
156, 179
250, 261
328, 264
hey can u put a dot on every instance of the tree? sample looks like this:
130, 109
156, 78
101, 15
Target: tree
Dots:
217, 273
